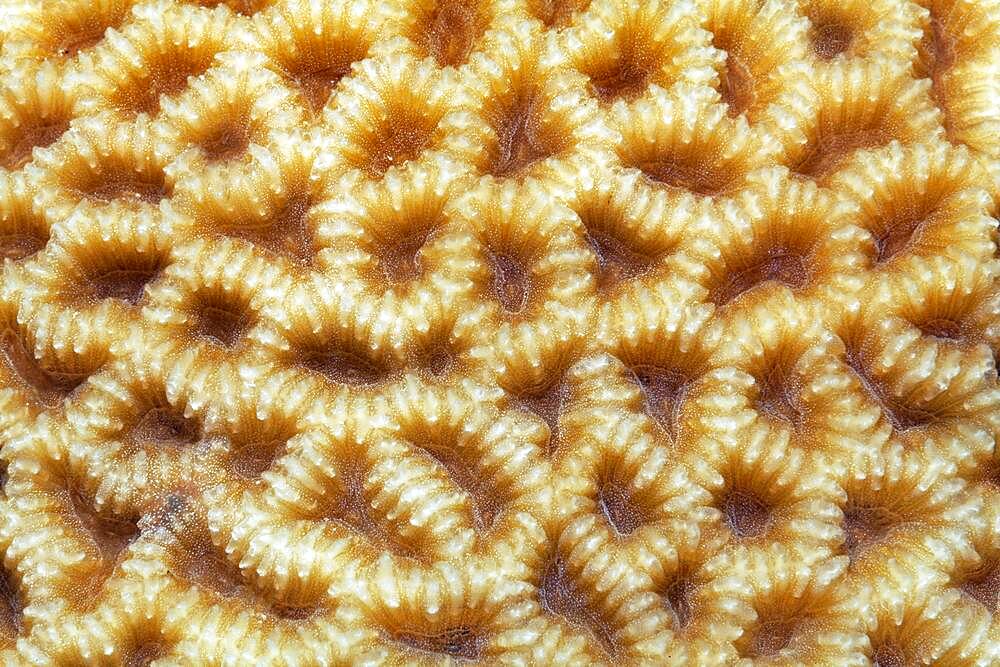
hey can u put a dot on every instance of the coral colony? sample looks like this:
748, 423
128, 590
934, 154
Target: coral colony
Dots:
530, 332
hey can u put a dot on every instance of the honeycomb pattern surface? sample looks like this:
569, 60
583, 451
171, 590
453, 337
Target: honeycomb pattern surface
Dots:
530, 332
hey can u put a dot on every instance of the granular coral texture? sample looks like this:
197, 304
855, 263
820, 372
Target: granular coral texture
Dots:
539, 332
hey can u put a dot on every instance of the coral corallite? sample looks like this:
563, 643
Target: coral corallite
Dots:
528, 332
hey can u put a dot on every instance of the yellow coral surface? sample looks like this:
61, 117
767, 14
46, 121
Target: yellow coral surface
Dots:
538, 332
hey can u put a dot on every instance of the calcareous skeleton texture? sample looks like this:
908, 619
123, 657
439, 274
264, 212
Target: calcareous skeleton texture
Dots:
539, 332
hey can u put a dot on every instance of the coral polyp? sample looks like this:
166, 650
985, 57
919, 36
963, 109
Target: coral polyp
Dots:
534, 332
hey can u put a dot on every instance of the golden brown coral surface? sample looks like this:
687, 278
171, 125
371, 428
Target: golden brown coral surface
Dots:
499, 332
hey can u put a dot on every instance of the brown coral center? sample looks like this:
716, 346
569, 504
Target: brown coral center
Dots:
865, 525
520, 138
619, 506
736, 85
825, 153
451, 29
348, 504
900, 414
746, 514
983, 585
771, 636
560, 594
144, 654
687, 174
547, 402
251, 460
486, 502
128, 188
21, 245
942, 327
127, 285
896, 236
830, 39
35, 135
678, 598
226, 140
510, 282
779, 264
288, 232
11, 609
625, 77
663, 392
889, 655
401, 261
402, 136
461, 642
165, 426
776, 395
220, 322
47, 386
345, 366
111, 535
556, 13
619, 259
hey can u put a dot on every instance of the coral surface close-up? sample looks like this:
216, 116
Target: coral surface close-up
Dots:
528, 332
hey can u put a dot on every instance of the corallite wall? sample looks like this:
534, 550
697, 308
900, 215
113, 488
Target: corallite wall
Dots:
538, 332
